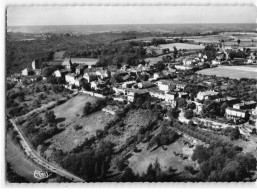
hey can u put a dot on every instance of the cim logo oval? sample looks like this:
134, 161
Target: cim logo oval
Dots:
40, 174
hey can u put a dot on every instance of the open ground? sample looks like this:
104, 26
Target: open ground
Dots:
234, 72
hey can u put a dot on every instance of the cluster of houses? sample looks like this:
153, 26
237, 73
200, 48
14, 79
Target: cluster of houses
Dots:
141, 81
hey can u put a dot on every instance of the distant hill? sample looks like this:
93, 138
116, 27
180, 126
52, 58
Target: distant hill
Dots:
178, 28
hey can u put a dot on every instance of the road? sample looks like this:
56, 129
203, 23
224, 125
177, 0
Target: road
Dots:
41, 161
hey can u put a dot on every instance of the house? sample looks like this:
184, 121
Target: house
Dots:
95, 85
133, 93
37, 72
119, 91
60, 73
70, 78
90, 76
182, 67
236, 113
207, 95
181, 86
199, 107
158, 75
35, 64
215, 62
80, 68
182, 95
128, 84
145, 84
245, 105
170, 96
164, 85
155, 92
79, 81
24, 72
188, 61
103, 74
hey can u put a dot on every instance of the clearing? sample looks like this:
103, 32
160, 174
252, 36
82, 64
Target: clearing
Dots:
69, 115
71, 138
234, 72
176, 155
72, 109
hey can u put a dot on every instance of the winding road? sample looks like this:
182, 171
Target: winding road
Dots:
41, 161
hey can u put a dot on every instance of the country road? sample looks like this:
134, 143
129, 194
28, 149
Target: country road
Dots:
41, 161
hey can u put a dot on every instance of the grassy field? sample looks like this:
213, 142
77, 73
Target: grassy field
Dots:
178, 46
71, 109
155, 59
70, 138
234, 72
69, 114
19, 162
139, 162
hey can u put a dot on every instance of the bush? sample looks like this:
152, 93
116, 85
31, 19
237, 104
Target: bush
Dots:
189, 114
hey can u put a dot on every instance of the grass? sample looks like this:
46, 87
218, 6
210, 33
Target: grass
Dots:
69, 114
19, 162
139, 162
72, 108
70, 138
234, 72
132, 122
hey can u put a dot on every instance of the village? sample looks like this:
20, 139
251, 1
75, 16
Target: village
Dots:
162, 81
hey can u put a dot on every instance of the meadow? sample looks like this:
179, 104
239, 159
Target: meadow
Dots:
234, 72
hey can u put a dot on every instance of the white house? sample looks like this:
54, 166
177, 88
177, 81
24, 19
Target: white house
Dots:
235, 113
90, 76
103, 74
207, 95
163, 85
128, 84
25, 72
169, 97
79, 81
215, 62
70, 78
182, 67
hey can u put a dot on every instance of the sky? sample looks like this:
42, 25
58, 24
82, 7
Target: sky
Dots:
95, 15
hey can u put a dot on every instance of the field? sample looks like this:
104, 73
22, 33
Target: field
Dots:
19, 162
155, 59
234, 72
139, 162
71, 109
178, 46
69, 115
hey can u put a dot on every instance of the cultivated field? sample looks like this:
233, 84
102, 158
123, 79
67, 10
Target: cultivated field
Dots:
234, 72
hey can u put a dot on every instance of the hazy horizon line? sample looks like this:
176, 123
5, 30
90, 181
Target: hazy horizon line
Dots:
127, 24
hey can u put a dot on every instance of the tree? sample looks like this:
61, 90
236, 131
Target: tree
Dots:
50, 117
234, 134
47, 71
87, 109
189, 114
238, 41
